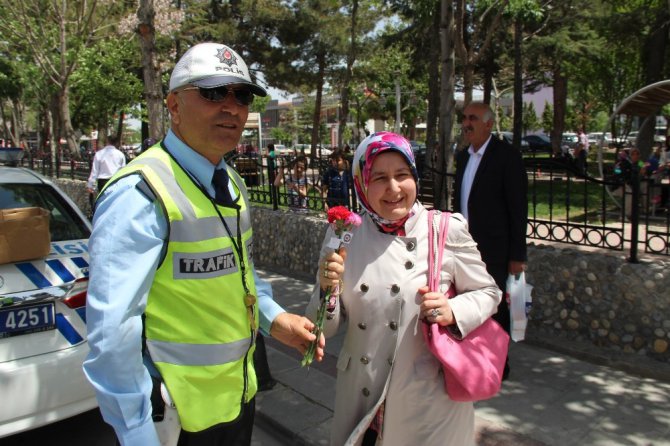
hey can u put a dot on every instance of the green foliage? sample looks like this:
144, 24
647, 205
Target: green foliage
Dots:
107, 81
530, 120
547, 118
280, 134
600, 47
506, 121
10, 83
260, 103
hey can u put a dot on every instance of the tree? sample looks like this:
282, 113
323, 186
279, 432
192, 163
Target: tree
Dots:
155, 24
105, 83
11, 90
548, 118
53, 34
447, 102
473, 35
530, 120
557, 52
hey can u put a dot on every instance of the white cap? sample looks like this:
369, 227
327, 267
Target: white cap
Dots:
212, 65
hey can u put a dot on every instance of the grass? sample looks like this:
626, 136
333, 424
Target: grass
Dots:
571, 201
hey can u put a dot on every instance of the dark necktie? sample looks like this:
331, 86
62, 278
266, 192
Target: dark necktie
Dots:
220, 183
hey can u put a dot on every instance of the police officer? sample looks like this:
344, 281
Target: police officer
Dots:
174, 302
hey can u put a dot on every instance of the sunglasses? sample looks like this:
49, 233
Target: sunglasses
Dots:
219, 94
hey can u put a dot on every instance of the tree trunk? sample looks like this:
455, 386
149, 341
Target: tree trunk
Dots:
468, 82
447, 105
153, 90
13, 127
119, 127
560, 105
518, 85
316, 119
434, 94
351, 58
489, 67
65, 123
5, 123
52, 144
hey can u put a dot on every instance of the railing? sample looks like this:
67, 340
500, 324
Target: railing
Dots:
564, 204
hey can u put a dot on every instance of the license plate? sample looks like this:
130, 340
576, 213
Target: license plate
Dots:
27, 319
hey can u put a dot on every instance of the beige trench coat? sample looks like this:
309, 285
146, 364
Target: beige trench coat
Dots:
383, 355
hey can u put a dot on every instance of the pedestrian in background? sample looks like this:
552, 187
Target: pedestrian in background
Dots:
148, 142
490, 191
174, 302
296, 184
106, 162
336, 181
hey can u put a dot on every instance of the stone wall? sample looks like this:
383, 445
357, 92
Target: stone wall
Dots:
76, 190
580, 297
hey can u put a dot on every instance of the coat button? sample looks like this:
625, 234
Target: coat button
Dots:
410, 246
362, 325
365, 360
365, 391
409, 264
393, 325
395, 288
390, 361
364, 287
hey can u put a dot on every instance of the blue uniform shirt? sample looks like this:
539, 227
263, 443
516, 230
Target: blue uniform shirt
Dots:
128, 240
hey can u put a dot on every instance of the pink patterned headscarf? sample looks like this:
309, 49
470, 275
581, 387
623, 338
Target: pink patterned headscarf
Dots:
364, 157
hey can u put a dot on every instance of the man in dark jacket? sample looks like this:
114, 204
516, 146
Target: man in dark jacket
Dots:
490, 191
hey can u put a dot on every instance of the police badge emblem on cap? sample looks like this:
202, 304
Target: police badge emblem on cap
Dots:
210, 65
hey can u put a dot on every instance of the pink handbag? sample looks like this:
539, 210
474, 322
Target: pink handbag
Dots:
472, 366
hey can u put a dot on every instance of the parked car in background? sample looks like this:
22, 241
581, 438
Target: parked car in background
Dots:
569, 142
508, 137
43, 312
282, 150
659, 136
600, 139
660, 133
538, 143
11, 156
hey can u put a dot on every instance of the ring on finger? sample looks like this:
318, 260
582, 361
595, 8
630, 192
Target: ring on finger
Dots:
325, 264
325, 273
435, 312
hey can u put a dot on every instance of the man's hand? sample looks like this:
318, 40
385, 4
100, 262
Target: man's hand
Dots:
516, 267
296, 331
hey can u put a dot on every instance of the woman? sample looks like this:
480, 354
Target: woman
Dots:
390, 389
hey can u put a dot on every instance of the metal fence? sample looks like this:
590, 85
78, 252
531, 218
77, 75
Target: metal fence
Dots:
565, 204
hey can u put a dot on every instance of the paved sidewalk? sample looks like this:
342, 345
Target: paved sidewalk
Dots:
550, 399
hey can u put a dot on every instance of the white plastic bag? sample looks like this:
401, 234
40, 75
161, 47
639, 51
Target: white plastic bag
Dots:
519, 298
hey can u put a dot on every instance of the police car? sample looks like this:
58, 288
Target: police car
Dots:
43, 313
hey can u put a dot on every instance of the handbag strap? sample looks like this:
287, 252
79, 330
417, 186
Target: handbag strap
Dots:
438, 225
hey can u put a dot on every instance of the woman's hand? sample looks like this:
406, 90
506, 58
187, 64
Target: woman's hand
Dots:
435, 307
331, 268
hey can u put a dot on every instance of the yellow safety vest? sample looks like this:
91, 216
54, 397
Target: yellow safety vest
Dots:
197, 324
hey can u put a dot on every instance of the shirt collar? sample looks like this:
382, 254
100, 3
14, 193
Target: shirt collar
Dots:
196, 165
482, 149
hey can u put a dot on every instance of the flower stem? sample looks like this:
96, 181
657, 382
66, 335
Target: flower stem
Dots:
318, 328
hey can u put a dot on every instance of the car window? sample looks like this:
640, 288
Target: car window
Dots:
63, 223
